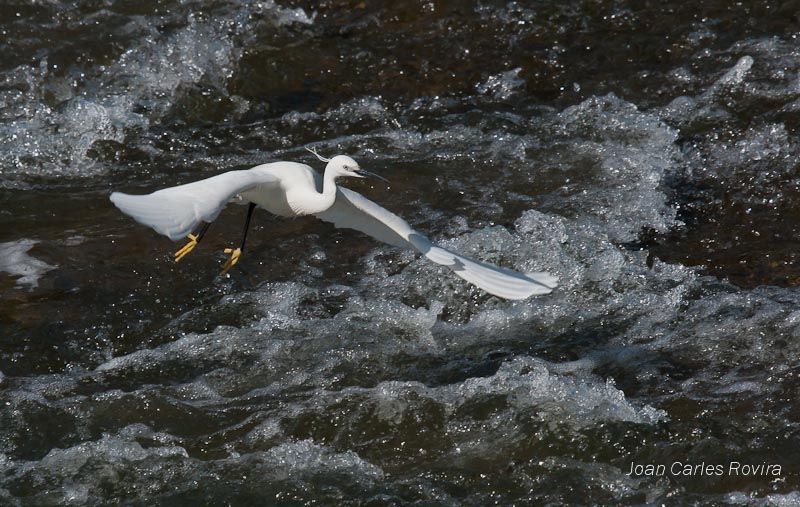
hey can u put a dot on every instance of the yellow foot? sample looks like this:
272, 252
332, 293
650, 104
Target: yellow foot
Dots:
235, 254
180, 254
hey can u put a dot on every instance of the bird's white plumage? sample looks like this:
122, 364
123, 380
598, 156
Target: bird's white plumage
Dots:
354, 211
177, 211
291, 189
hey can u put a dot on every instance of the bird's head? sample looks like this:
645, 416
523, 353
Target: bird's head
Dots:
344, 166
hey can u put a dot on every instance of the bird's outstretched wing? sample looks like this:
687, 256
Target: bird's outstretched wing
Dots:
177, 211
352, 210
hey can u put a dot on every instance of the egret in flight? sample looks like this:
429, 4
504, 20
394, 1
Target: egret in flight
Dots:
290, 189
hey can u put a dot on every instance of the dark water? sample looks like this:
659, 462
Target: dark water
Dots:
645, 152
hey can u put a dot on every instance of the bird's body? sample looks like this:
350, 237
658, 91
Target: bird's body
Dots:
298, 191
291, 189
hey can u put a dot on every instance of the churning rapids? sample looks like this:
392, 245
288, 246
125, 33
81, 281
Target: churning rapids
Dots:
645, 153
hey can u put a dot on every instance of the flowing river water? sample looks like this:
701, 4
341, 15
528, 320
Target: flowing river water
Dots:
646, 153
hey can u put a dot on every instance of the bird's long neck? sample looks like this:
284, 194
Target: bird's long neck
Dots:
328, 189
310, 199
318, 202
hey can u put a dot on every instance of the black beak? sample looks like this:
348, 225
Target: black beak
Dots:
367, 174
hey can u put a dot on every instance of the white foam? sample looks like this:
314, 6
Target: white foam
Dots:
121, 102
287, 15
110, 449
15, 261
292, 458
791, 499
625, 153
530, 382
502, 86
274, 307
264, 434
733, 77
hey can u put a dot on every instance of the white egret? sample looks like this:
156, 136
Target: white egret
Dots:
290, 189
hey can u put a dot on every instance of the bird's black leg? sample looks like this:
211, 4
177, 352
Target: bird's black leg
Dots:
235, 254
247, 224
193, 241
203, 231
